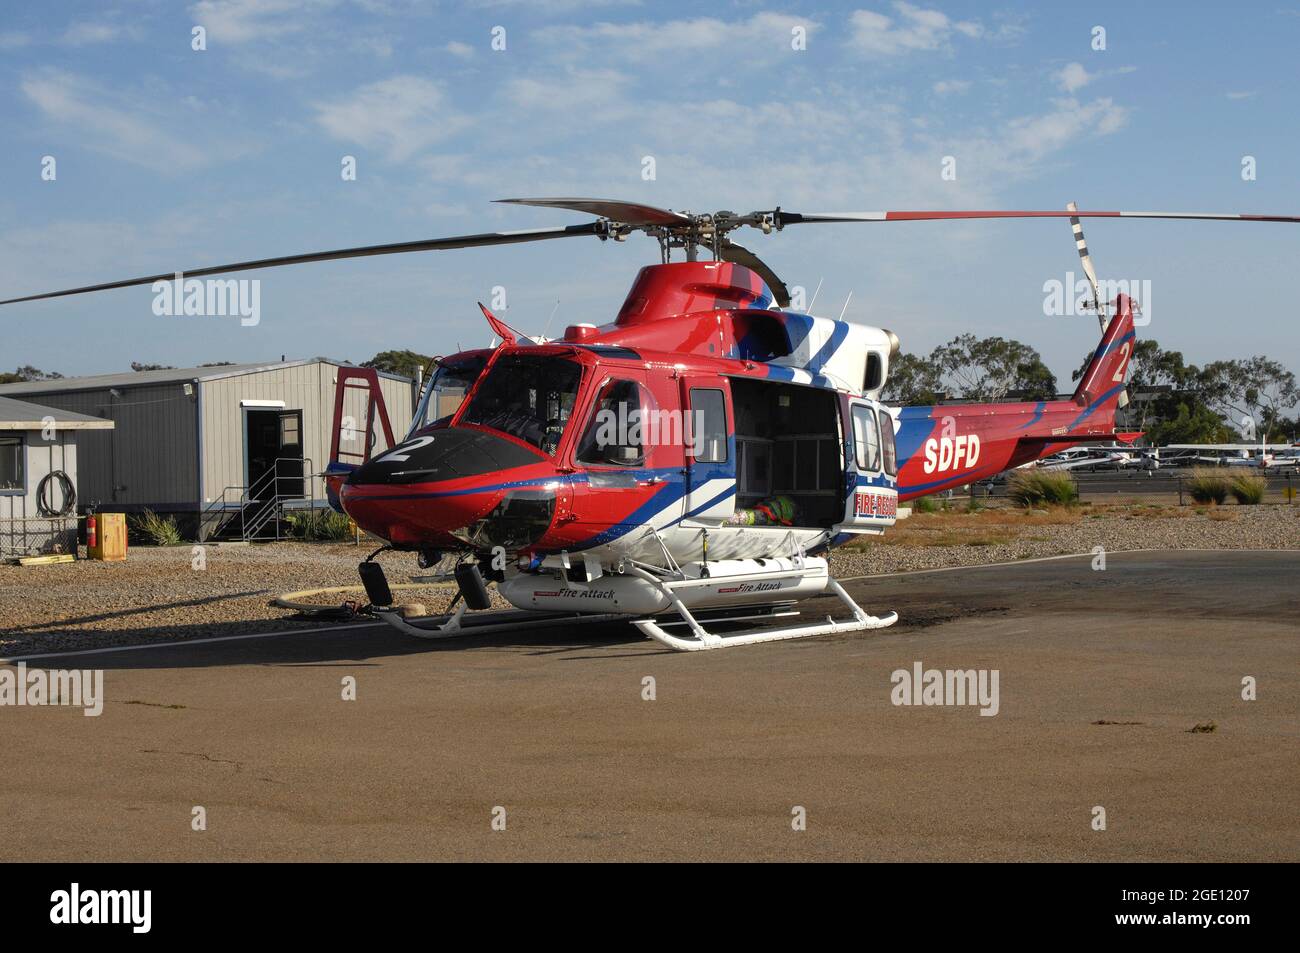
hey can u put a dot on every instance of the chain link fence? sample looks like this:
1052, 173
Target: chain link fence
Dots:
37, 536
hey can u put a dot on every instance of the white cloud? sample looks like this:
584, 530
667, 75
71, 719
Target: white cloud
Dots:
575, 92
1029, 139
825, 148
87, 34
913, 29
946, 87
763, 32
557, 6
1073, 77
403, 115
379, 46
80, 34
244, 21
1246, 94
14, 40
133, 129
461, 50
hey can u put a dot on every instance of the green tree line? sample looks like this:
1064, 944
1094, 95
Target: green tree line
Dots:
1172, 401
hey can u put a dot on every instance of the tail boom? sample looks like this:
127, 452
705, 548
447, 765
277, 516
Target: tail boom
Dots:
951, 445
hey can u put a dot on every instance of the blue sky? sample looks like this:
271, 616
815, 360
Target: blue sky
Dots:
168, 158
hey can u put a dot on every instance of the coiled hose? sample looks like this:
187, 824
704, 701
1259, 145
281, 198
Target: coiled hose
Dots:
45, 500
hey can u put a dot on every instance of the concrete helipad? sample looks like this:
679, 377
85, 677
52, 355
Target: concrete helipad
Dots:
1102, 676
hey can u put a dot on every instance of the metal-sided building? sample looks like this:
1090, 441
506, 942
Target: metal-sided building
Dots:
197, 439
38, 474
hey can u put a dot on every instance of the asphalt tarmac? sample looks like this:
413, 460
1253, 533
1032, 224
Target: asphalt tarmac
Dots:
1102, 677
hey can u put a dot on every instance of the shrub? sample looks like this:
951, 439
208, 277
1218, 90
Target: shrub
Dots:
1207, 486
319, 525
1036, 487
925, 504
158, 530
1248, 488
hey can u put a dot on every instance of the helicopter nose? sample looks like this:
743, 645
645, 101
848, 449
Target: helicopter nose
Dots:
447, 453
434, 483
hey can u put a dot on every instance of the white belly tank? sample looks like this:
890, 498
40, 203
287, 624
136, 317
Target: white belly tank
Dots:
730, 582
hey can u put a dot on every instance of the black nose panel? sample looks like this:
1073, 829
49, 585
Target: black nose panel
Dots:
447, 453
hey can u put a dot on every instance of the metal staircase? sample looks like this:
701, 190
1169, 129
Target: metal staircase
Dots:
259, 511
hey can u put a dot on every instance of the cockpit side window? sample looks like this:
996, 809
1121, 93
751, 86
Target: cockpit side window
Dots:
615, 435
444, 392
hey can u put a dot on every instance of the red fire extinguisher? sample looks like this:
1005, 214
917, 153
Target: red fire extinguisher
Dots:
92, 537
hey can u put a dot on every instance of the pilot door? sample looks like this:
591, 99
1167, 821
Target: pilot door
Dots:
622, 484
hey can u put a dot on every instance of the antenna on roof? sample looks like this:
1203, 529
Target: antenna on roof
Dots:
846, 305
551, 318
816, 291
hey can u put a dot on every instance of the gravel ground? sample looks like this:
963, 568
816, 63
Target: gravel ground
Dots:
156, 595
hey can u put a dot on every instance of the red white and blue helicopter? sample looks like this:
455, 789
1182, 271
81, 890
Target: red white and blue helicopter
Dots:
691, 462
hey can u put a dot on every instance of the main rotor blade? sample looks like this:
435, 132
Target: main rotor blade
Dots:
626, 213
794, 218
740, 255
365, 251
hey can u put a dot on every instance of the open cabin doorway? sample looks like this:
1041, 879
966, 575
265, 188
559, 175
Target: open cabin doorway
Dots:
274, 461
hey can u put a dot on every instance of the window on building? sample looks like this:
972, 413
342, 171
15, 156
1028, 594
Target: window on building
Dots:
291, 429
11, 463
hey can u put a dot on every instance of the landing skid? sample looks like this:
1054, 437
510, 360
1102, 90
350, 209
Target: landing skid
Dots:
702, 640
478, 623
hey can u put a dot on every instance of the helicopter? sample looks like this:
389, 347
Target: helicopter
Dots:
691, 463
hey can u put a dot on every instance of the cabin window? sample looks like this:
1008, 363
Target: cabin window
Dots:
11, 463
616, 434
708, 425
875, 372
887, 443
866, 438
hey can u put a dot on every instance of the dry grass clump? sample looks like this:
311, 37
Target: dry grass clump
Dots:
1042, 487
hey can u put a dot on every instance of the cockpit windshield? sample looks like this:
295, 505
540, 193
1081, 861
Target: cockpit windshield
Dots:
527, 396
445, 390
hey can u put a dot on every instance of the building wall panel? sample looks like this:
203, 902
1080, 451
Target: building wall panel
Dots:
308, 388
149, 459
